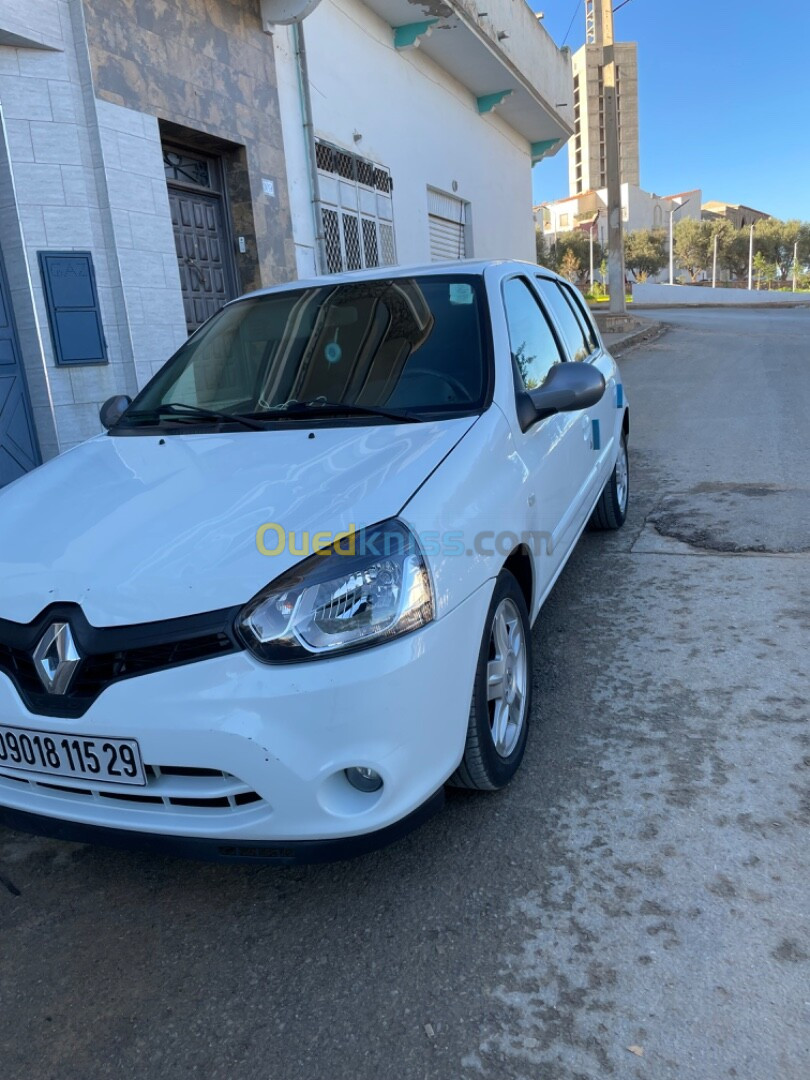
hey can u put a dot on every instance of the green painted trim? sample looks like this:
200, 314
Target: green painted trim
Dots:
489, 101
406, 37
540, 149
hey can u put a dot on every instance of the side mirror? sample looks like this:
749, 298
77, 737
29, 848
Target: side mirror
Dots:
113, 409
569, 387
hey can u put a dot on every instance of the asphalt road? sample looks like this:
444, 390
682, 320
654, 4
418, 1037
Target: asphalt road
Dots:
635, 905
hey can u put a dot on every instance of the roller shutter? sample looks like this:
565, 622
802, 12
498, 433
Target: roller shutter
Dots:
447, 219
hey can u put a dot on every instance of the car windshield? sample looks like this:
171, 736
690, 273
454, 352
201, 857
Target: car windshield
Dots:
413, 346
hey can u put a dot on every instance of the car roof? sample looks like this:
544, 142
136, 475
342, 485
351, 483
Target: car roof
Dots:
459, 266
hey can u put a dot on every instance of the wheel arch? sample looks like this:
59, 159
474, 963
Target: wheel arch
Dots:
521, 566
626, 424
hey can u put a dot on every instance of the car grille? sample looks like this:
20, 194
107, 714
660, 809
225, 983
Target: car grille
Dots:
109, 654
167, 787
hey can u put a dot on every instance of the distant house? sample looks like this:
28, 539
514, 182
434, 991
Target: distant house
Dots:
740, 216
640, 210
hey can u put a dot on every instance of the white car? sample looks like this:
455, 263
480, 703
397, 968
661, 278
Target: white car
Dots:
287, 596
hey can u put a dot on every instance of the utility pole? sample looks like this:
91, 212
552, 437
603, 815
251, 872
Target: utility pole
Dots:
599, 24
751, 261
714, 264
795, 266
590, 232
673, 209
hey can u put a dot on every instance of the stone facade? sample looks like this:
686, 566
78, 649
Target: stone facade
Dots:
89, 92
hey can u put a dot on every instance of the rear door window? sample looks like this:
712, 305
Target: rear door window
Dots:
580, 310
569, 326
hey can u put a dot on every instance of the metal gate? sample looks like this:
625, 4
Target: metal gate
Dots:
19, 451
357, 210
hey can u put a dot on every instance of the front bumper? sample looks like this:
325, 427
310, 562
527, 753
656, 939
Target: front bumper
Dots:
247, 760
278, 852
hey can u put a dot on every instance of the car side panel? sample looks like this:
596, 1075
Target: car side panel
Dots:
476, 493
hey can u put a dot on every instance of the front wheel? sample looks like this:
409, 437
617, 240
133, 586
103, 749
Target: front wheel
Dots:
499, 713
611, 510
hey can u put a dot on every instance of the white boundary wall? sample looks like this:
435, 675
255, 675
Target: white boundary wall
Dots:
699, 296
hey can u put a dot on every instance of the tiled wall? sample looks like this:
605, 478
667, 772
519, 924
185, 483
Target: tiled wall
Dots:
22, 305
144, 240
81, 168
59, 206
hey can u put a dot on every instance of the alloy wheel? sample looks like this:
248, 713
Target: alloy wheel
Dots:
507, 675
622, 478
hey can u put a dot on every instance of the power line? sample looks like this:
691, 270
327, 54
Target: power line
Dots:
568, 31
624, 3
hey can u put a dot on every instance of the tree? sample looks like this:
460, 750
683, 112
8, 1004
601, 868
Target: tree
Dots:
543, 255
776, 240
764, 269
645, 252
693, 245
570, 266
577, 242
732, 248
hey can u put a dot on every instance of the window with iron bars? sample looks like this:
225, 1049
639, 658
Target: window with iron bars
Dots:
356, 210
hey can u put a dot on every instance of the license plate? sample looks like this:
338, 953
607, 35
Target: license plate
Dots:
113, 761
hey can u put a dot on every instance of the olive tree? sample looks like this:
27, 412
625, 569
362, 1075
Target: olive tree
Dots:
693, 245
645, 252
776, 240
575, 246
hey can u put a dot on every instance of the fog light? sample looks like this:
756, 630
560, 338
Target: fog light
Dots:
364, 779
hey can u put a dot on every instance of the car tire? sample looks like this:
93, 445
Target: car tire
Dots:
501, 701
611, 510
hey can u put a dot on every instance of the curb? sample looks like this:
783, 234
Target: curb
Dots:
638, 337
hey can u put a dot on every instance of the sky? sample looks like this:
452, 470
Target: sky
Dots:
724, 98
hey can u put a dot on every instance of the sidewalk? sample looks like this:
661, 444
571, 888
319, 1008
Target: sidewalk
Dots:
642, 330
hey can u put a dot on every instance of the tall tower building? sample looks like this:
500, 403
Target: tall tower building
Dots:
586, 150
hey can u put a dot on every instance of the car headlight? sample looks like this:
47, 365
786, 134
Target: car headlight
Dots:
367, 588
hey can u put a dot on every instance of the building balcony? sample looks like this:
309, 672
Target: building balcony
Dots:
501, 53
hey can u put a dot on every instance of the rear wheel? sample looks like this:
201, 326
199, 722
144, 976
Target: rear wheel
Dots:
611, 510
499, 713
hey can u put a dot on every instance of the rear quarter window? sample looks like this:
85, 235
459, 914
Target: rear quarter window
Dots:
581, 311
567, 322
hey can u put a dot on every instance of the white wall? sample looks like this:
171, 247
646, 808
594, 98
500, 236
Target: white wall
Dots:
415, 120
683, 294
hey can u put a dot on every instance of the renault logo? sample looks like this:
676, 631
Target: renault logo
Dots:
56, 658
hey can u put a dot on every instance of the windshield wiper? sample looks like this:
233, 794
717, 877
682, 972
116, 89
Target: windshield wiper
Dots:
180, 411
321, 407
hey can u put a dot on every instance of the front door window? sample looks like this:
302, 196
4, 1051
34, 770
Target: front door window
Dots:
534, 348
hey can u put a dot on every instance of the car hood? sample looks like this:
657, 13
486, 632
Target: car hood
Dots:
141, 528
